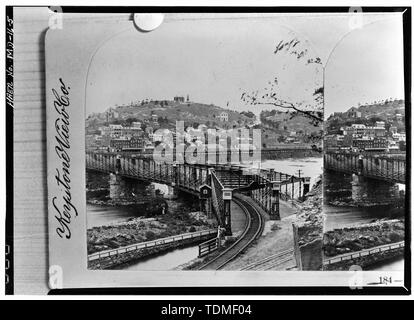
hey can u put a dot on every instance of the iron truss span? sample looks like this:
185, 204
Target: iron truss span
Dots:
253, 230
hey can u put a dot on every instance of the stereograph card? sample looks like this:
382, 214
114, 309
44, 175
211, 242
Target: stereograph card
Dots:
203, 150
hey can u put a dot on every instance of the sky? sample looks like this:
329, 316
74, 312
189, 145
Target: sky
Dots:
366, 66
215, 61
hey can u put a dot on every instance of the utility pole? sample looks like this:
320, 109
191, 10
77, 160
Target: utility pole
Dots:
300, 183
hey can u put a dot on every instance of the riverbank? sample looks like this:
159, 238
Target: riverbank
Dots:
143, 229
357, 238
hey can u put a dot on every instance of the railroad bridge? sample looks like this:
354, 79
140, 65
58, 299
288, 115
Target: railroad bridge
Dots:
213, 184
374, 176
268, 153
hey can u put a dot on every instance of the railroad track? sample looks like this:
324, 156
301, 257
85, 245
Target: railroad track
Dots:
271, 261
254, 228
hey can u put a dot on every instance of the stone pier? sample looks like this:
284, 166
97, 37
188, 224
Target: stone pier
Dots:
124, 189
368, 192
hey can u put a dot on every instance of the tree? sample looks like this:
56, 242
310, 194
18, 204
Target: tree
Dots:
248, 114
310, 104
129, 121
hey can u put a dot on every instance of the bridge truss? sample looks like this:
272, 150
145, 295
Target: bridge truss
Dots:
264, 186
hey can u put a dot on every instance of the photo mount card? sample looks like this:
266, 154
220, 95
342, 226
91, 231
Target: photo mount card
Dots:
136, 197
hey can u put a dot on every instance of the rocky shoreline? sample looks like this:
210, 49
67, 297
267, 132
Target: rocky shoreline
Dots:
351, 239
143, 229
386, 204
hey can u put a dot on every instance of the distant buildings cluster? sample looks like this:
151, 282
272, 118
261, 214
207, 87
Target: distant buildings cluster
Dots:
147, 134
116, 137
360, 137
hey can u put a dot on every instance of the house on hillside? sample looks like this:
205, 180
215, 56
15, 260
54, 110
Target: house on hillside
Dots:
179, 99
136, 124
353, 113
223, 116
111, 114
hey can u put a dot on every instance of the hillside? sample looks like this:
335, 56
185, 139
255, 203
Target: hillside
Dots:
168, 113
391, 112
284, 127
384, 110
283, 122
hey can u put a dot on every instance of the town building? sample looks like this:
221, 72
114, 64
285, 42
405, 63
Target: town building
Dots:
368, 144
361, 131
124, 144
399, 136
393, 129
223, 116
115, 130
111, 114
179, 99
353, 113
137, 124
333, 141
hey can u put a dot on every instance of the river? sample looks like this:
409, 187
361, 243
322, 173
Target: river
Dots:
98, 215
337, 187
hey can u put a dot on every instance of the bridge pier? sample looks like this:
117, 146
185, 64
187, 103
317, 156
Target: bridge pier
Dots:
366, 191
122, 189
116, 187
172, 192
205, 206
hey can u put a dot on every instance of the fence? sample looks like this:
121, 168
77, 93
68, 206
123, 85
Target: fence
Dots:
363, 253
150, 244
207, 247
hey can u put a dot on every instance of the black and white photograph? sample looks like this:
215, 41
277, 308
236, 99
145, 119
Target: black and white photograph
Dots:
241, 148
365, 150
203, 142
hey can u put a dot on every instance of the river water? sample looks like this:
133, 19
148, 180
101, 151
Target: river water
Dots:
99, 215
337, 187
